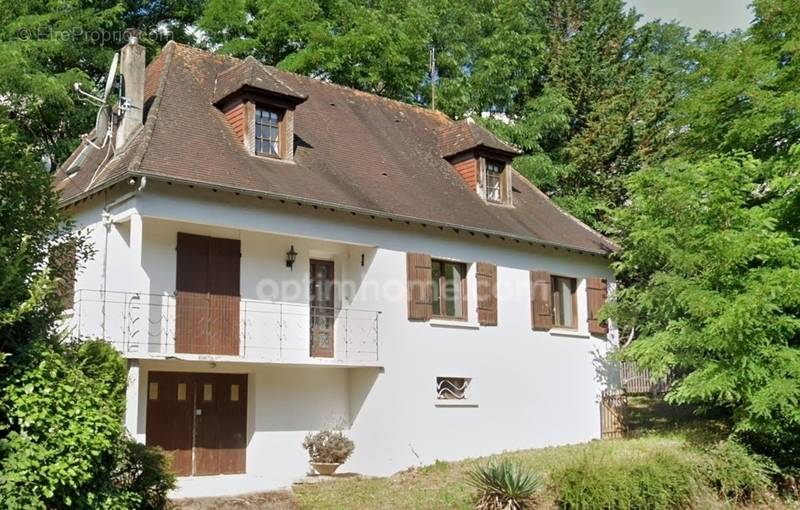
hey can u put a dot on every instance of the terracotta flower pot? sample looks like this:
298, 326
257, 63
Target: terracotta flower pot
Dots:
325, 468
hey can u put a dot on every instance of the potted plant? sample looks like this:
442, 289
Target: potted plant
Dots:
328, 450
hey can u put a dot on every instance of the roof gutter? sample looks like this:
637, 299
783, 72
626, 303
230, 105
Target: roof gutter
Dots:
376, 214
107, 217
343, 208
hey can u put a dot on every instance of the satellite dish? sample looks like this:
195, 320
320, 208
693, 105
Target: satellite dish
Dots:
111, 75
102, 123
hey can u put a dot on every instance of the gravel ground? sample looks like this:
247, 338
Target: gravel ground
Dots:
278, 500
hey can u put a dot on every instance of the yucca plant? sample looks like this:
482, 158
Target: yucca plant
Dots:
503, 485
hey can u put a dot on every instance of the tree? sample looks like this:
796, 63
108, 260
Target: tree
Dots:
62, 442
710, 256
45, 47
576, 83
594, 115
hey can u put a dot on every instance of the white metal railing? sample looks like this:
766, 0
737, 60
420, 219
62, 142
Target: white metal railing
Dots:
138, 323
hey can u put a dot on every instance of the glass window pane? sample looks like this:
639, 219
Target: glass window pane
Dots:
208, 393
153, 391
565, 289
234, 392
181, 391
458, 311
437, 273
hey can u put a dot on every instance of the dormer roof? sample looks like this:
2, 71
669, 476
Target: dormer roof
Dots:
466, 134
251, 75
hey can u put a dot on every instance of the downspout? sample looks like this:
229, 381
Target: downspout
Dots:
108, 220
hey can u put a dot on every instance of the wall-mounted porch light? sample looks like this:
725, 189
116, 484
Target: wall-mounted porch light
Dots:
291, 255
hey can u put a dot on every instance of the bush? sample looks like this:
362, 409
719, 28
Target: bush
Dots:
661, 480
62, 442
146, 472
736, 474
328, 446
503, 486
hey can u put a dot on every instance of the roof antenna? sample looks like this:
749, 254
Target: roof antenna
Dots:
434, 76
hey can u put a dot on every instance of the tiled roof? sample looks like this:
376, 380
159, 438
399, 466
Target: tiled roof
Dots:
249, 73
353, 151
464, 135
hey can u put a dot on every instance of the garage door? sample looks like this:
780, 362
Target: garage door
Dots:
200, 419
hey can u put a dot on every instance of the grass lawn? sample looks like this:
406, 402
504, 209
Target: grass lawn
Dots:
443, 485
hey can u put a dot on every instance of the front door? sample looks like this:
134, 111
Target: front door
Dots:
200, 420
322, 311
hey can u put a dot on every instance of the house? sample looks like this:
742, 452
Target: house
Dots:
276, 254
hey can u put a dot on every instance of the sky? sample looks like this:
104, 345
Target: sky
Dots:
714, 15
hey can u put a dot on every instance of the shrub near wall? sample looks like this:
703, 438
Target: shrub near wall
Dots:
662, 479
62, 444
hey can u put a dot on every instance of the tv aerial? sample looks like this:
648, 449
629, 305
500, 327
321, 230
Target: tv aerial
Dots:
102, 125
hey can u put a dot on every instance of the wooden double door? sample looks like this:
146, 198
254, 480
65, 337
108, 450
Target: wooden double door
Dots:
207, 299
200, 420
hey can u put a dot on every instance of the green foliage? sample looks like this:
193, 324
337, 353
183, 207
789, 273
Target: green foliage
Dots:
47, 46
503, 485
710, 238
145, 472
64, 444
714, 291
329, 446
30, 223
660, 480
736, 474
585, 91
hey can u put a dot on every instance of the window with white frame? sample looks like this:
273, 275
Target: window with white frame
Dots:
453, 388
268, 132
495, 171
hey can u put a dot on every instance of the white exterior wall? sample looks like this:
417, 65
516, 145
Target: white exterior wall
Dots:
529, 388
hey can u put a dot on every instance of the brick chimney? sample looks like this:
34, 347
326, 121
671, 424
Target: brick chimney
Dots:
132, 64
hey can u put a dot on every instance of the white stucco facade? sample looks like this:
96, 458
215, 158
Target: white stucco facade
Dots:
528, 388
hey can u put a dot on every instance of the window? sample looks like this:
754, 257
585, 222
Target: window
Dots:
452, 388
449, 289
153, 391
268, 129
565, 307
494, 181
208, 392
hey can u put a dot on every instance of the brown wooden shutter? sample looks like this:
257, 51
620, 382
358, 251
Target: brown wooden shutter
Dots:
486, 276
541, 297
420, 288
207, 300
595, 299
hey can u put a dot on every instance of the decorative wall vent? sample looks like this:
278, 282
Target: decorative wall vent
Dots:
453, 388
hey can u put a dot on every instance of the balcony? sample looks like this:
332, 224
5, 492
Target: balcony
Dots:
226, 328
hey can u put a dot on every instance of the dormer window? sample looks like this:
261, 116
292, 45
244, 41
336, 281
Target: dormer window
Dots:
480, 158
268, 132
495, 175
259, 106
